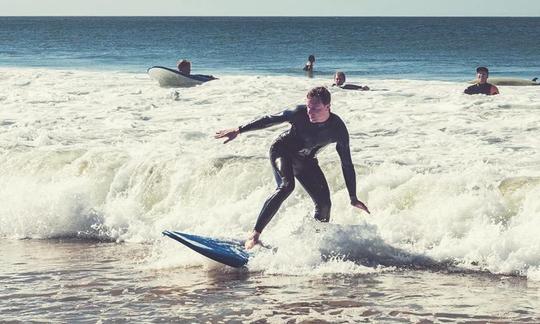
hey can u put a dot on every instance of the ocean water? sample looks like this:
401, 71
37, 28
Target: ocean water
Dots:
96, 161
414, 48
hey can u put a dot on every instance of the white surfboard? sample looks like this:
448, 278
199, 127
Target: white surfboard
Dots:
170, 78
510, 82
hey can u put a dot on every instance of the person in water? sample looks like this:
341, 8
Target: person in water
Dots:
482, 86
339, 81
293, 155
310, 63
184, 67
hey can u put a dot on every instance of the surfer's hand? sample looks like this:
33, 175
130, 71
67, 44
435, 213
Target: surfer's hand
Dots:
358, 204
252, 240
230, 134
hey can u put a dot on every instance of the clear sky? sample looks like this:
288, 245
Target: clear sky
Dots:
270, 8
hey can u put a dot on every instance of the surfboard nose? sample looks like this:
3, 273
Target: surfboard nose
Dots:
228, 252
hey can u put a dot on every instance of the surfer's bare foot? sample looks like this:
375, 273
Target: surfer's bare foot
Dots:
252, 240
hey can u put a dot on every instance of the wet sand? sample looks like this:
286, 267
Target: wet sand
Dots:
71, 280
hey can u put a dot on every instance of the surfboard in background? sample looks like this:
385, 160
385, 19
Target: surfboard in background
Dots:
228, 252
510, 82
170, 78
513, 184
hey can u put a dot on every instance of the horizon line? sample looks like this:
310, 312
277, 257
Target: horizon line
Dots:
284, 16
262, 16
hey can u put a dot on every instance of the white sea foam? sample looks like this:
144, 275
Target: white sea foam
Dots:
449, 178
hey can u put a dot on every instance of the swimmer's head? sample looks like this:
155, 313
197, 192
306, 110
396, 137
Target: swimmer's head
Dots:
339, 78
482, 74
184, 66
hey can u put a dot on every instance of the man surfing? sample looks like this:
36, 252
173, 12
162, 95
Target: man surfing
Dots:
293, 155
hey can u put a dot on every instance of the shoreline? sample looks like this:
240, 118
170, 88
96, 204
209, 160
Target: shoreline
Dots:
300, 76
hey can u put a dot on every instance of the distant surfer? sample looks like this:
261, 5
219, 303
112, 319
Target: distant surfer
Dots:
310, 64
482, 86
184, 67
293, 155
339, 81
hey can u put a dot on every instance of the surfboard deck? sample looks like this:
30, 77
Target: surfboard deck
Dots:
228, 252
516, 82
170, 78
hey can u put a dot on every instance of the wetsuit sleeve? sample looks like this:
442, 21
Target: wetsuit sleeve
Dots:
469, 90
268, 120
347, 166
202, 77
351, 87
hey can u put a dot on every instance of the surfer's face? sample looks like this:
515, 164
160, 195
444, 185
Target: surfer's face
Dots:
317, 111
339, 79
481, 76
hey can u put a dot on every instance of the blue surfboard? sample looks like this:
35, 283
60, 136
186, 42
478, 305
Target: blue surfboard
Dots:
231, 253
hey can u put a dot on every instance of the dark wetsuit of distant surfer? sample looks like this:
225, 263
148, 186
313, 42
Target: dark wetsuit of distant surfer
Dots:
309, 64
479, 88
293, 155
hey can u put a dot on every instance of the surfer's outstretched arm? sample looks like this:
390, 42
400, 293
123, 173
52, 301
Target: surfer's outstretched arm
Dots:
347, 168
259, 123
269, 120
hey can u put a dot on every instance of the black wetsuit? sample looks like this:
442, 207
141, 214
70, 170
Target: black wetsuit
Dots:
293, 154
478, 88
349, 86
201, 77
